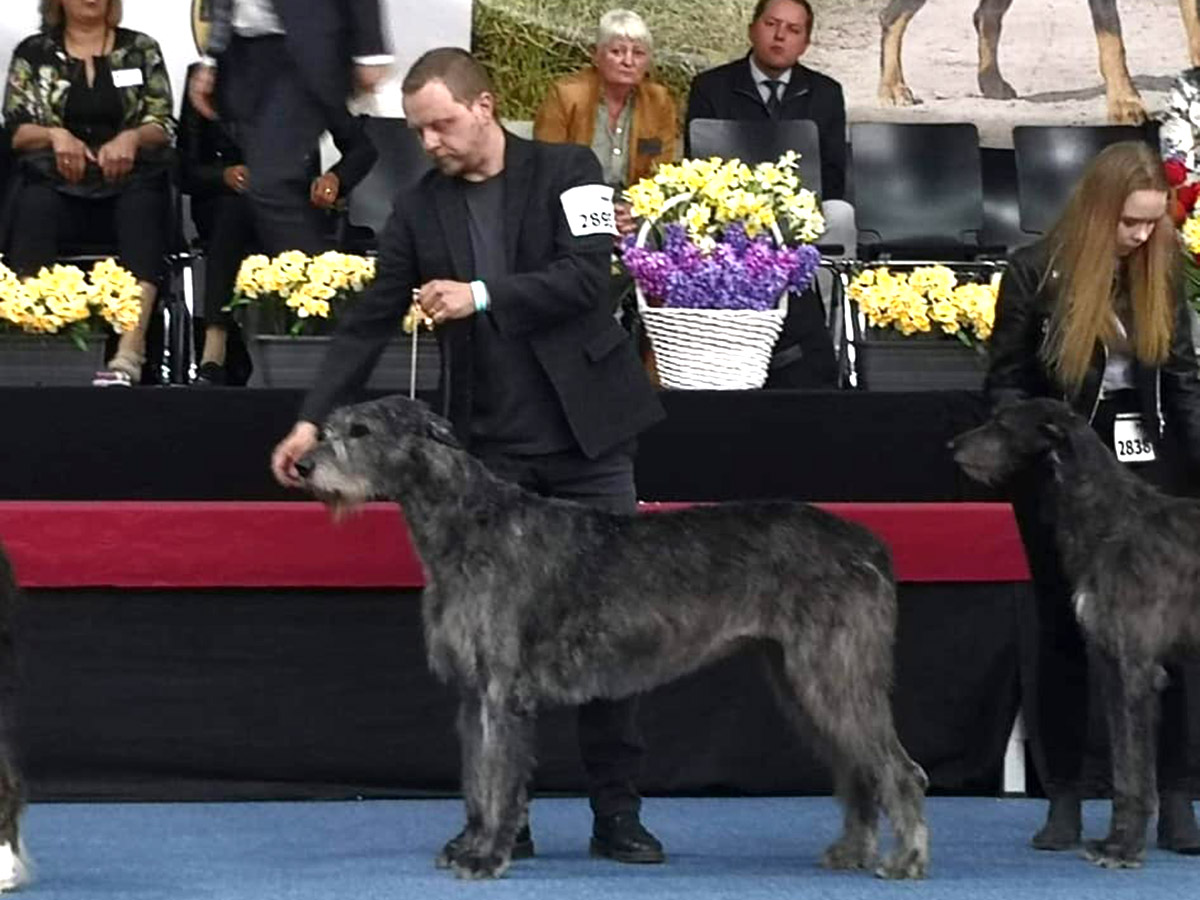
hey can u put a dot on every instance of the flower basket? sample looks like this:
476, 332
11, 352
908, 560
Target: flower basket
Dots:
923, 328
53, 326
722, 341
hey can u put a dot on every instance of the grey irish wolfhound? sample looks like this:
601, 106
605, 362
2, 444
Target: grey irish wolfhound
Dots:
1131, 555
531, 602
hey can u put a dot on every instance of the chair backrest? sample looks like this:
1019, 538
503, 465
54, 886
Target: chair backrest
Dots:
401, 162
918, 188
760, 141
1001, 211
1050, 159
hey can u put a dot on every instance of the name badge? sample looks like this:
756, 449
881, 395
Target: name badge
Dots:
1131, 441
589, 209
124, 78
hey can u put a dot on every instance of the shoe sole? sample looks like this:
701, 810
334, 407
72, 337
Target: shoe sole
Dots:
644, 857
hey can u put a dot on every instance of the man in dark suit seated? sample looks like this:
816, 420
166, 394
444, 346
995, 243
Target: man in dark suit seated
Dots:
506, 244
770, 83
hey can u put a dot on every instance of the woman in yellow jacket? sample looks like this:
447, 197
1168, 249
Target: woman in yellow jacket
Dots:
629, 121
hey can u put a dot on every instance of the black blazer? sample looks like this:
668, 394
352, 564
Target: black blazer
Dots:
323, 36
556, 296
729, 92
1029, 291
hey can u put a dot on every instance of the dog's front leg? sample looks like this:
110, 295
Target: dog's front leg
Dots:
1131, 706
495, 789
468, 726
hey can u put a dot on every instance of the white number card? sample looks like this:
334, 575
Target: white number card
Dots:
1130, 439
589, 209
123, 78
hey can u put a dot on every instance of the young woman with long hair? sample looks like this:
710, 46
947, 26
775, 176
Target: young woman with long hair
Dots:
1094, 314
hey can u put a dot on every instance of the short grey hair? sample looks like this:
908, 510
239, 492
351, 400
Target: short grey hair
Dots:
618, 24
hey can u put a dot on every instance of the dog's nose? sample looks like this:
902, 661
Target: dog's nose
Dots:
304, 466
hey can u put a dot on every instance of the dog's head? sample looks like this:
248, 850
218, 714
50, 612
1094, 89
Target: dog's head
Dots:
1017, 435
363, 450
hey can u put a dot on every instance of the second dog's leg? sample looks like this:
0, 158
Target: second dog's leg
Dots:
502, 762
1131, 706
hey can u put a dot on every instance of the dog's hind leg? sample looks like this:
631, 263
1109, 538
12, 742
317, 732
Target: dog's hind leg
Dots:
1131, 707
857, 846
502, 759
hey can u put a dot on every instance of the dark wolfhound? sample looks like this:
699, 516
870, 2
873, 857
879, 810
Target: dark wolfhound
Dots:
13, 869
532, 602
1131, 555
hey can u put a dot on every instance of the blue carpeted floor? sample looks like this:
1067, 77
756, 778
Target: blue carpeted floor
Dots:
718, 848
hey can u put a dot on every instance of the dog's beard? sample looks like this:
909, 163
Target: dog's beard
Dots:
341, 496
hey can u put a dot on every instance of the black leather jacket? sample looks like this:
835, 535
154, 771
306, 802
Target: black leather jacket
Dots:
1167, 395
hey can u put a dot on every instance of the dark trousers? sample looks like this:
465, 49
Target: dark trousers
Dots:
610, 742
1057, 712
277, 121
45, 221
230, 235
804, 355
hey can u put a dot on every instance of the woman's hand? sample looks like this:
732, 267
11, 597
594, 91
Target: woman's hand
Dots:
624, 218
324, 191
71, 155
117, 156
236, 178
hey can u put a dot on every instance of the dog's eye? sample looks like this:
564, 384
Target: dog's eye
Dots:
358, 430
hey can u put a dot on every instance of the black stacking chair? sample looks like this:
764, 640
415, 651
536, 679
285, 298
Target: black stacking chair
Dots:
918, 190
1001, 208
401, 162
1050, 159
760, 141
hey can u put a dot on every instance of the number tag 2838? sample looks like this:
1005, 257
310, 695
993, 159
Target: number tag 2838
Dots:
1131, 440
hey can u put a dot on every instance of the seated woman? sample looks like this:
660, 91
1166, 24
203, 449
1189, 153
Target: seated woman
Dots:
88, 105
214, 174
629, 121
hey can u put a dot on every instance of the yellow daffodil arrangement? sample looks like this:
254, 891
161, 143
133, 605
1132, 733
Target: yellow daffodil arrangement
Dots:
303, 289
65, 300
926, 300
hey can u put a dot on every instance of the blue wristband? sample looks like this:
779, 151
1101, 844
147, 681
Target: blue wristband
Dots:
479, 293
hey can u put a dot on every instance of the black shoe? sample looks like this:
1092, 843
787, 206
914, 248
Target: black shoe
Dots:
523, 844
1064, 824
1177, 829
623, 837
210, 373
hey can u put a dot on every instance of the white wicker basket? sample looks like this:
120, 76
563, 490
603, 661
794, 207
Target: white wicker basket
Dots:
710, 349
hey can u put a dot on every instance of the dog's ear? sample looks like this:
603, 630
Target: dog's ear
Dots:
438, 429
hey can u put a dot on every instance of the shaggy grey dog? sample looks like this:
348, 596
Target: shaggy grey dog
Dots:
14, 869
1132, 557
532, 602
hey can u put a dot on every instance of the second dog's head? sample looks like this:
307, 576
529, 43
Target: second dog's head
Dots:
1017, 435
364, 450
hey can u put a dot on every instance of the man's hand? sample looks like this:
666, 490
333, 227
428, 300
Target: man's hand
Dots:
443, 300
301, 439
117, 156
71, 155
368, 78
324, 191
202, 87
236, 178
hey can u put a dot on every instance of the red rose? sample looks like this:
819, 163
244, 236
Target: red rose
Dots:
1176, 171
1187, 194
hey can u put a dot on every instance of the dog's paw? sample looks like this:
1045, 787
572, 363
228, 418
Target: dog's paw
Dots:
13, 871
477, 866
1112, 855
453, 849
911, 863
848, 854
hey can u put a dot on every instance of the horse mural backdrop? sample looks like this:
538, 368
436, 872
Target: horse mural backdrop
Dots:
1065, 61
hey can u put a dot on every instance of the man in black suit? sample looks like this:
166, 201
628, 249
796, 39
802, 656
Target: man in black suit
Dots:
507, 244
286, 69
770, 83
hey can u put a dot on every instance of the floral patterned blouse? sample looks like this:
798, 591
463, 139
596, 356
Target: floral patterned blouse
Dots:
1179, 134
41, 73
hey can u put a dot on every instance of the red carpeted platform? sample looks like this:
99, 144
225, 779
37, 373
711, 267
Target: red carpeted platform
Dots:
167, 544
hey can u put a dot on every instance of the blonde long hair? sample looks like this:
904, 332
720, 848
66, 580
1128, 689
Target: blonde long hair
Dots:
53, 15
1083, 255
